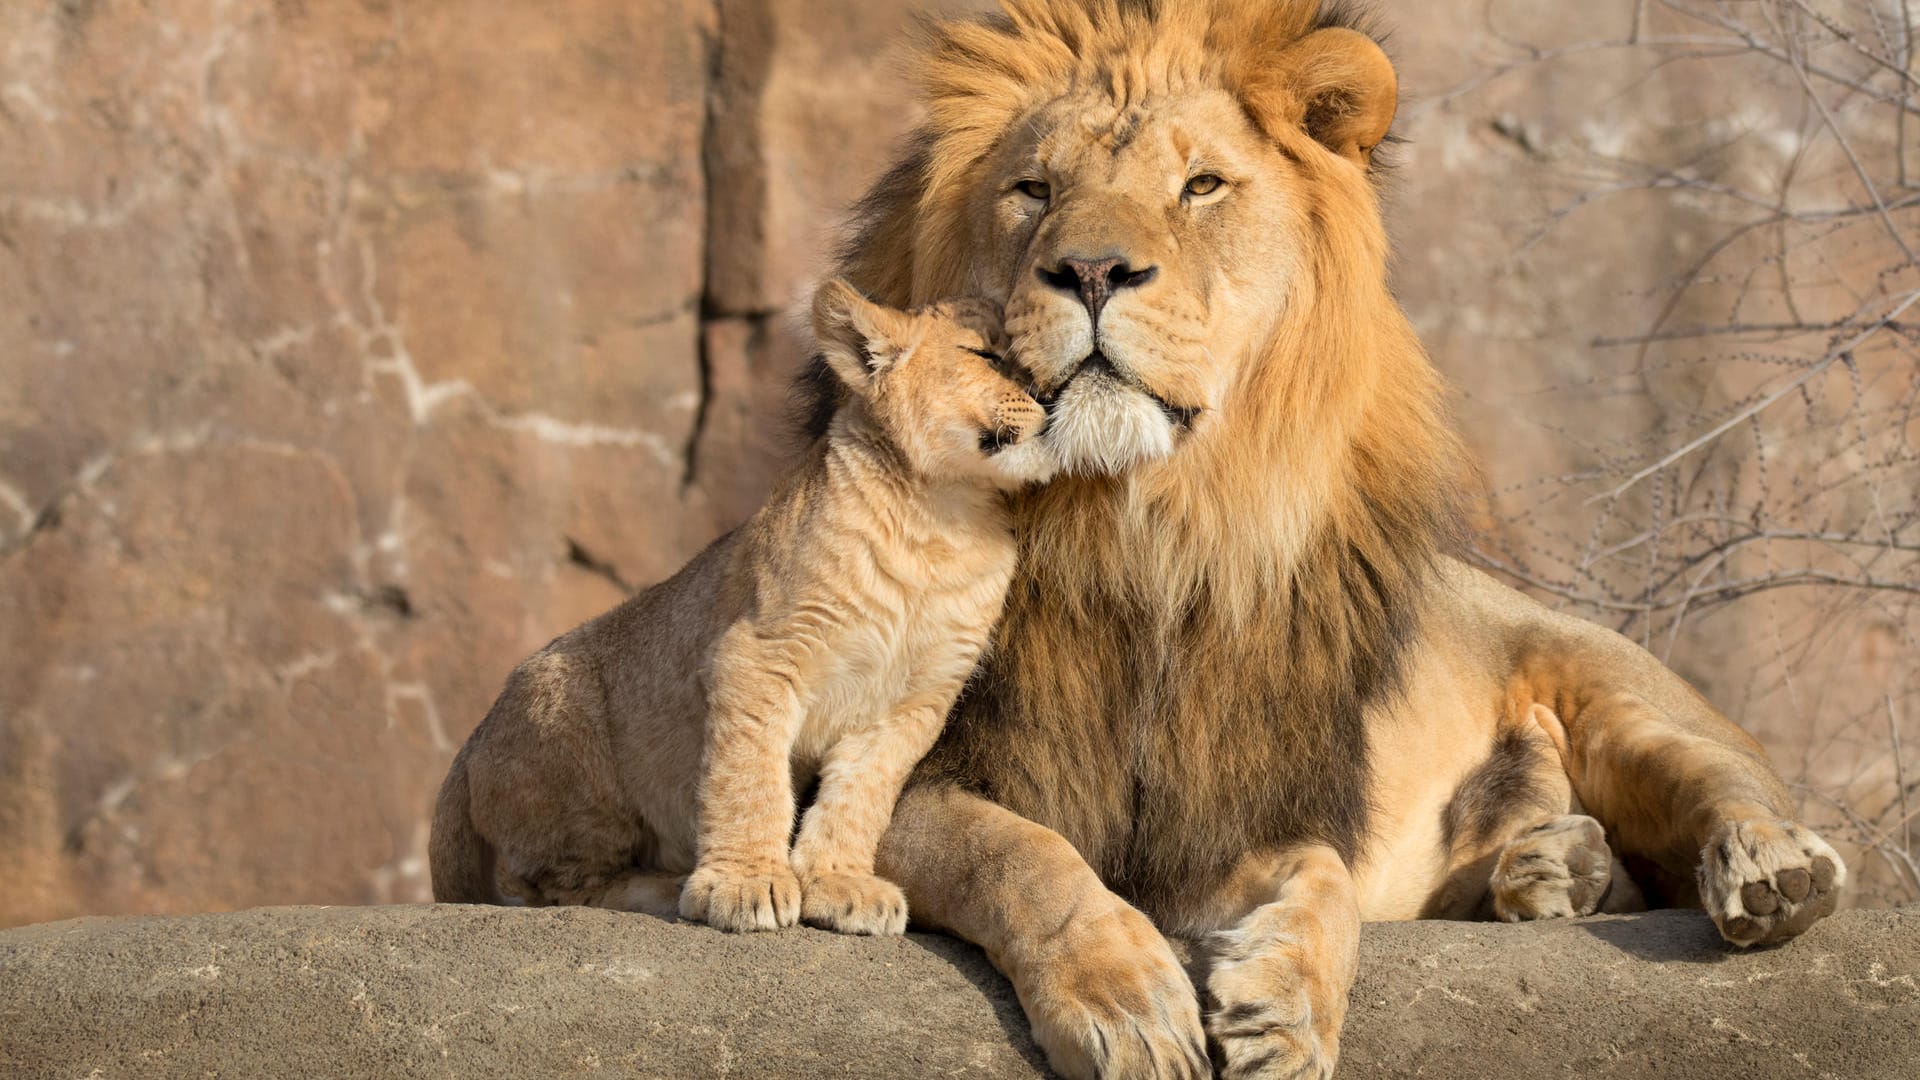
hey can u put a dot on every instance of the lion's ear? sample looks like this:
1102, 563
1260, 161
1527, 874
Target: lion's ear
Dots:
1338, 85
858, 337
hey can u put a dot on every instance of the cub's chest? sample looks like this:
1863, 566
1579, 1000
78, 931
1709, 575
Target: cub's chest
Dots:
923, 639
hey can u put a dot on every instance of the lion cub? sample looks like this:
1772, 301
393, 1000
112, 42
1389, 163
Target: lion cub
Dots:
828, 637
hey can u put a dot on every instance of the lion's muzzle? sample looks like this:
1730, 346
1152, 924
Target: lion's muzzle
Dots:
1103, 420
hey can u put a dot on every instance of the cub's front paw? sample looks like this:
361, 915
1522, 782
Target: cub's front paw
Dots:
1107, 998
738, 899
853, 904
1766, 881
1558, 869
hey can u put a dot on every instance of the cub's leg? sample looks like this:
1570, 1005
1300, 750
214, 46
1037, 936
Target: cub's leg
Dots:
742, 879
545, 793
858, 785
1279, 982
1104, 992
634, 890
1559, 868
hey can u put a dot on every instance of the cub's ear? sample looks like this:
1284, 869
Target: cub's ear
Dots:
1336, 84
858, 337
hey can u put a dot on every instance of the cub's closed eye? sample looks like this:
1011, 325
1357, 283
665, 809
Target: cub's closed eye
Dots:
1204, 184
1034, 189
1001, 364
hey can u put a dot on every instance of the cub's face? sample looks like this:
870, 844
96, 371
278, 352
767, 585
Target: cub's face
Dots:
938, 383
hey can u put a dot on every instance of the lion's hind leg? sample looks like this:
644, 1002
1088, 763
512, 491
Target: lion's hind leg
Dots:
1766, 881
548, 794
1519, 846
1561, 868
1555, 862
1681, 787
594, 860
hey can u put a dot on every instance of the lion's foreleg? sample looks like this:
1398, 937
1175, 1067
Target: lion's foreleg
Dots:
1103, 990
1279, 980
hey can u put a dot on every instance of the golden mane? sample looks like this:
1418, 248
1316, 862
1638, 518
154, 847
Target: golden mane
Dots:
1271, 568
1378, 444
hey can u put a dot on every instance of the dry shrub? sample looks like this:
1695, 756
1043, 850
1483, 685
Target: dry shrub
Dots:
1769, 510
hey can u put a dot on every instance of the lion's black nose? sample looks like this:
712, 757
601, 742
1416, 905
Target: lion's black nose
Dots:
1095, 280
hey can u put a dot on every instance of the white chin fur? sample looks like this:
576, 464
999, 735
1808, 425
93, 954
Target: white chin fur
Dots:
1100, 426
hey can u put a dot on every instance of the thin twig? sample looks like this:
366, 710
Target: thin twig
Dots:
1899, 775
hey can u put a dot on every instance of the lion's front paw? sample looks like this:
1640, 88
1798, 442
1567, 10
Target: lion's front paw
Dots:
1262, 1020
736, 899
1558, 869
1766, 881
853, 904
1109, 999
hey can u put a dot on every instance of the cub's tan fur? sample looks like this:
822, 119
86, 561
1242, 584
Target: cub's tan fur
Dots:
826, 637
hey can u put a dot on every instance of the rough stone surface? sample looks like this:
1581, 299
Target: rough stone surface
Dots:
465, 992
809, 102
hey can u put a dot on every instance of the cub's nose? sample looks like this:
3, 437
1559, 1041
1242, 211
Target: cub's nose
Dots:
1095, 281
1016, 417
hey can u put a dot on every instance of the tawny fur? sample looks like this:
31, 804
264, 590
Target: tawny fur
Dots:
1240, 682
827, 637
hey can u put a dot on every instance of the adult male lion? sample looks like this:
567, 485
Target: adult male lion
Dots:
1239, 683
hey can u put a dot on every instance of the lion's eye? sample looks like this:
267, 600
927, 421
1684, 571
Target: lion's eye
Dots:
1038, 190
1204, 184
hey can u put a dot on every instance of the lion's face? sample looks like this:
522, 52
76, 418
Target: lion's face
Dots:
1154, 190
1144, 250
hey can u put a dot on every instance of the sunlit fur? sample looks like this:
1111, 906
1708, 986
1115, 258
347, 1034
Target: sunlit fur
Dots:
1240, 686
826, 637
1246, 585
1328, 432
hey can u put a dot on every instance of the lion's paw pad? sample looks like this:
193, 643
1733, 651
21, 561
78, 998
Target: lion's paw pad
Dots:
853, 904
1766, 881
1558, 869
737, 900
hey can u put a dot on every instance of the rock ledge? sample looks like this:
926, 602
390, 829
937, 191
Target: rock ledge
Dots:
445, 991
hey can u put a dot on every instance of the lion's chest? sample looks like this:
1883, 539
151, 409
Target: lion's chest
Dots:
1164, 757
